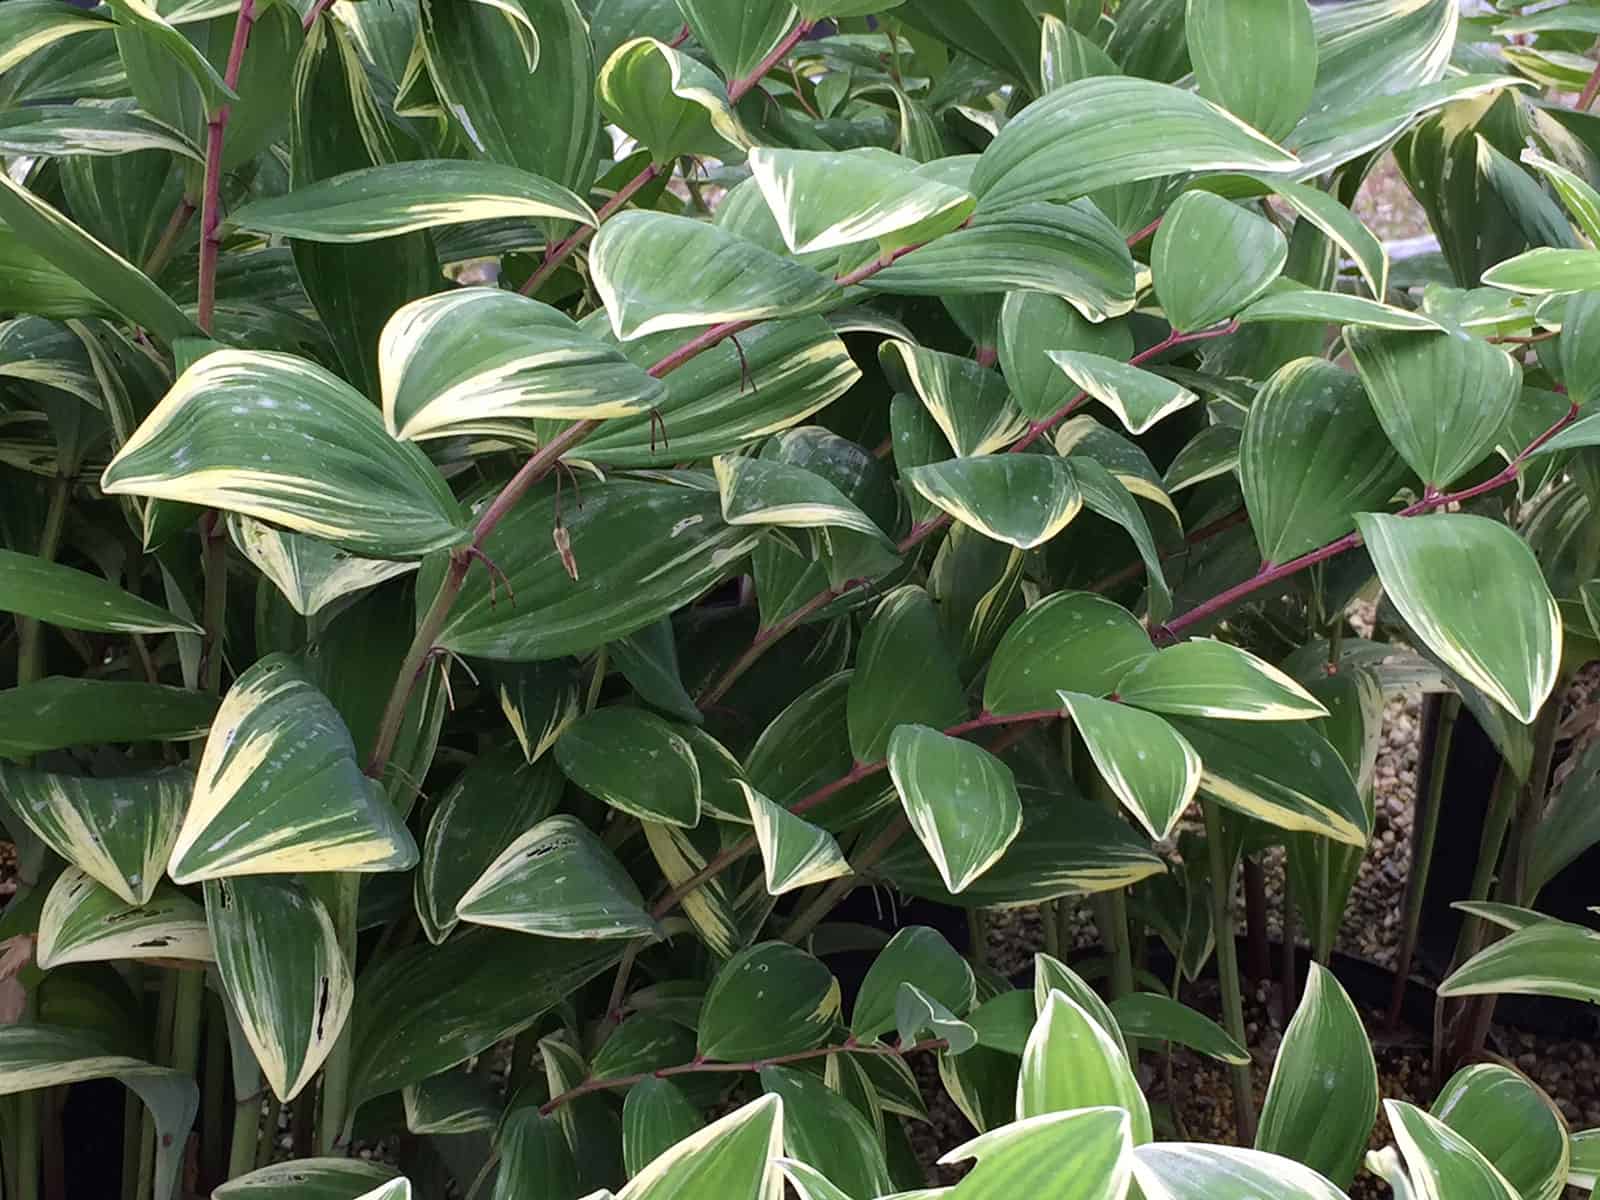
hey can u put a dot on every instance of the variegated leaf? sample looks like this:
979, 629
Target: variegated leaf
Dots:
317, 1179
969, 403
825, 199
1200, 1171
118, 830
671, 103
284, 973
28, 26
452, 1102
1514, 1124
58, 595
731, 1157
1208, 678
634, 761
310, 573
84, 922
1071, 1062
768, 999
485, 361
279, 789
1475, 594
1441, 1163
1138, 397
709, 907
276, 437
557, 880
1145, 762
658, 272
46, 1056
1073, 641
1211, 257
1084, 1154
539, 700
961, 801
1023, 500
794, 852
395, 198
764, 491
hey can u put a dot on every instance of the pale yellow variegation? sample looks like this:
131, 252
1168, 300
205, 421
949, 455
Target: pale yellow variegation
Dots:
709, 907
1139, 398
311, 574
85, 922
794, 852
696, 1165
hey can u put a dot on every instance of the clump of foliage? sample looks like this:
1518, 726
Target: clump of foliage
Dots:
515, 508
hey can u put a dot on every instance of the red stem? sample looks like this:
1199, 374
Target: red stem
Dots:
211, 196
1270, 574
562, 250
317, 9
1590, 88
700, 1067
739, 88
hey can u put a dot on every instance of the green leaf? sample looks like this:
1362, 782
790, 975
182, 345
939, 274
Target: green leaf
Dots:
279, 788
317, 1179
1146, 764
710, 906
656, 272
808, 1182
765, 491
961, 801
1023, 500
518, 77
311, 574
1072, 641
1582, 201
47, 591
58, 712
85, 922
485, 361
778, 374
1441, 397
44, 1056
1442, 1164
1033, 326
284, 973
479, 987
1065, 55
90, 264
222, 437
655, 1117
1211, 257
794, 852
641, 550
142, 31
823, 1126
824, 200
730, 1157
1323, 1097
1005, 36
969, 403
452, 1103
1080, 1155
1068, 250
1257, 60
905, 674
539, 700
916, 1013
1111, 496
1313, 455
1197, 1171
29, 26
1154, 1017
634, 761
1050, 974
119, 830
1341, 226
1571, 821
1547, 269
557, 880
1099, 132
738, 34
1208, 678
1070, 1062
916, 955
1139, 398
768, 999
1473, 592
668, 101
490, 803
1512, 1123
1286, 774
52, 130
395, 198
1549, 959
1585, 1159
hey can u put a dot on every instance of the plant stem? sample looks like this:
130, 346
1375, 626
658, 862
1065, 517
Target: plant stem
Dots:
700, 1067
336, 1112
1244, 1110
562, 250
211, 195
162, 254
214, 543
814, 913
1590, 88
246, 1130
1439, 725
30, 633
1274, 573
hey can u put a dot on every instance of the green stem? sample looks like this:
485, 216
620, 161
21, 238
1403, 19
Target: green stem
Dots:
162, 254
1439, 733
1111, 908
213, 1096
265, 1127
132, 1126
1244, 1110
30, 633
978, 937
246, 1127
1050, 918
214, 541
